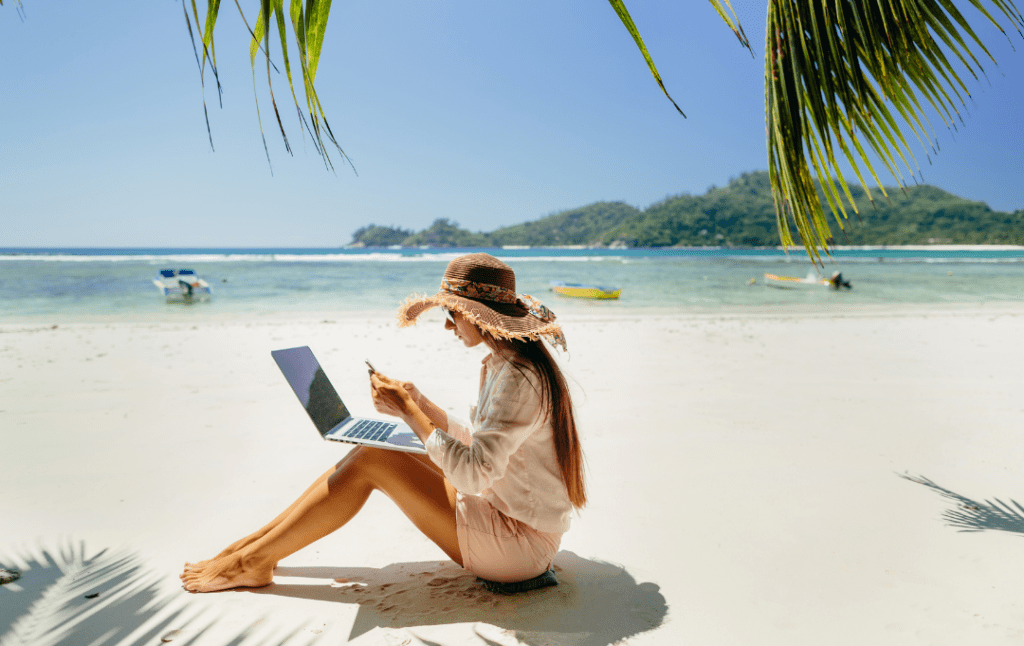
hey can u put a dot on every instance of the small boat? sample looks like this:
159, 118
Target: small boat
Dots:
577, 290
811, 281
182, 285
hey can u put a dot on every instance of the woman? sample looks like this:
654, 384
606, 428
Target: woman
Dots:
494, 495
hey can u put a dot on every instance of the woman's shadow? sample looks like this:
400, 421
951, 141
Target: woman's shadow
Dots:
595, 603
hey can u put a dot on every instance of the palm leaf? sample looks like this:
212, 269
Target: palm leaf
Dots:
18, 7
255, 46
309, 25
856, 75
627, 20
202, 82
733, 22
720, 6
317, 12
208, 51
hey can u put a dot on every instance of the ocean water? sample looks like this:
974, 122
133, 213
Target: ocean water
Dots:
70, 285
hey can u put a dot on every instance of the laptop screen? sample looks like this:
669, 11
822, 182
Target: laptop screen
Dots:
312, 387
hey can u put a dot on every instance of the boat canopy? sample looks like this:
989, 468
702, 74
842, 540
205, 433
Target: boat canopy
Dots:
171, 273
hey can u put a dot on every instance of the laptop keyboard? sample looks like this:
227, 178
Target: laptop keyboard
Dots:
368, 429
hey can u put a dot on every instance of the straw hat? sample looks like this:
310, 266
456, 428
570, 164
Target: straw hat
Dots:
483, 289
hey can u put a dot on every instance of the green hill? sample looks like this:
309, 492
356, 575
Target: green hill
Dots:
445, 233
581, 226
740, 214
926, 214
377, 236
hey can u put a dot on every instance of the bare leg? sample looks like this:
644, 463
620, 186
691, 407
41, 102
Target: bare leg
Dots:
251, 538
416, 486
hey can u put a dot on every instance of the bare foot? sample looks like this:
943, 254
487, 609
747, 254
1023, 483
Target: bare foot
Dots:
232, 571
229, 550
199, 565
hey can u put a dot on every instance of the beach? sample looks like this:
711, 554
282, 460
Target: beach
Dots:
769, 477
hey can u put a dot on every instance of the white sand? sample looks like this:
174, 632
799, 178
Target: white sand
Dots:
745, 478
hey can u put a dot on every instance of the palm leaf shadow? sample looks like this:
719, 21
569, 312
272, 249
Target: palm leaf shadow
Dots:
594, 604
973, 516
67, 597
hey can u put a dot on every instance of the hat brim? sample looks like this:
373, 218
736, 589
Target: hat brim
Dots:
504, 320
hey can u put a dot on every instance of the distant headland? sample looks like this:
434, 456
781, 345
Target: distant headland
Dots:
740, 214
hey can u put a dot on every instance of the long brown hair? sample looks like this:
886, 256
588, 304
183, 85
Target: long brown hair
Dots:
533, 355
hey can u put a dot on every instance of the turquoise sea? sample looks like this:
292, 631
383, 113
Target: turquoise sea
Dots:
73, 285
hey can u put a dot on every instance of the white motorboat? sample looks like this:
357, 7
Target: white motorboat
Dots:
182, 286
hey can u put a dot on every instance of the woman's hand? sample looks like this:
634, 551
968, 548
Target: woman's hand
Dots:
393, 397
398, 398
414, 392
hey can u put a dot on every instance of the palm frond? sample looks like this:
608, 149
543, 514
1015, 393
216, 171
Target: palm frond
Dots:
733, 22
620, 8
202, 83
18, 7
720, 6
852, 78
309, 23
207, 40
208, 50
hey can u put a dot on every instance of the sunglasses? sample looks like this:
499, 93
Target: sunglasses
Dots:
448, 314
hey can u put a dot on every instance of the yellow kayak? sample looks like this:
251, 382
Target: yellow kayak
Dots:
811, 281
792, 282
576, 290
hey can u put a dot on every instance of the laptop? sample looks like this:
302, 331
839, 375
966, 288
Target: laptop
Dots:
330, 415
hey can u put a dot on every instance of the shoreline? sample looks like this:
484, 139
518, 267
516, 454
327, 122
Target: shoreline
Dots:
794, 310
20, 253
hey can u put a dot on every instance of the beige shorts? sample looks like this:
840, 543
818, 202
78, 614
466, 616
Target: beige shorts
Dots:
498, 548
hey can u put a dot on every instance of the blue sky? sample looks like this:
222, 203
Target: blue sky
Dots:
486, 113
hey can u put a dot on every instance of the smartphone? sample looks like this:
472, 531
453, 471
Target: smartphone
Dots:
370, 366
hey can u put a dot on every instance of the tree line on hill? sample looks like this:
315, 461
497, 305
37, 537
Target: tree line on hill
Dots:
740, 214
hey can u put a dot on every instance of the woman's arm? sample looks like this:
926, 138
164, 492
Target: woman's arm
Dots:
393, 397
457, 428
437, 416
513, 415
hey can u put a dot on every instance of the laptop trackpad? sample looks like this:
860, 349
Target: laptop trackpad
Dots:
405, 439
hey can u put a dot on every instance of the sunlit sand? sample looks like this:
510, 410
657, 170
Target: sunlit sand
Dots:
755, 478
